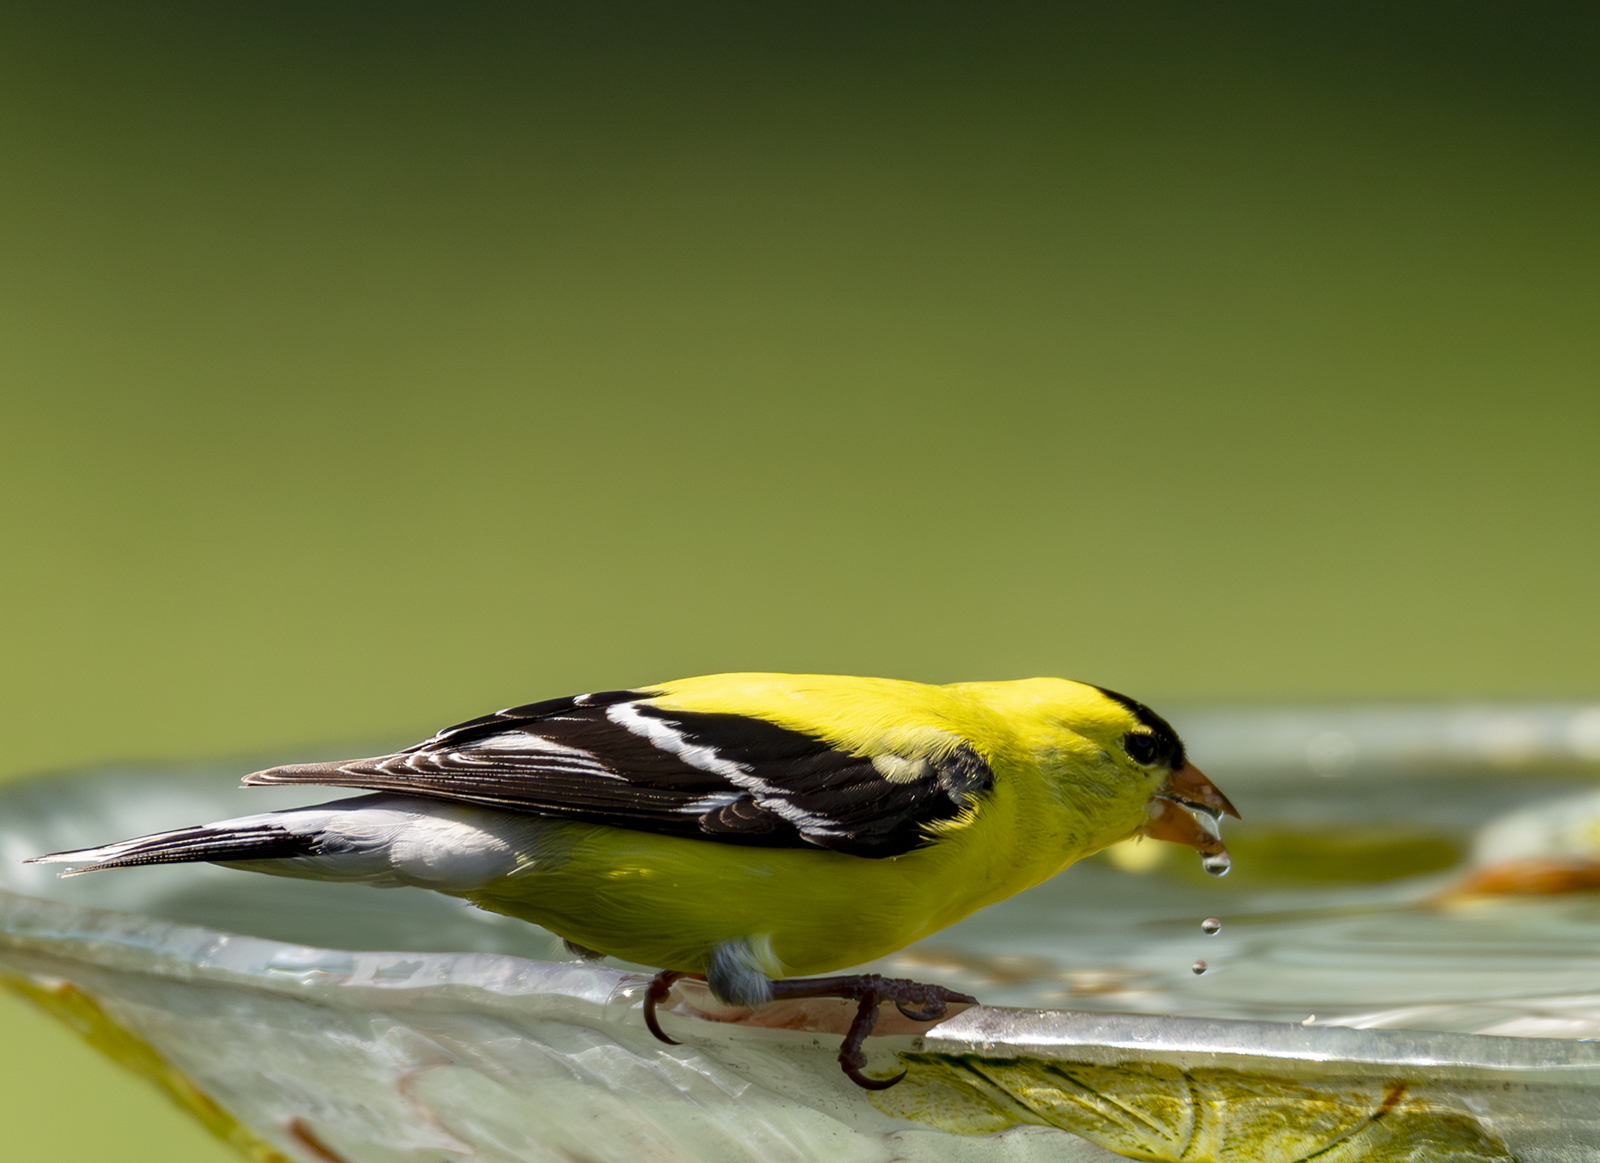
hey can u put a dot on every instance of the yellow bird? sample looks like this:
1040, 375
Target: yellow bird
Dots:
750, 828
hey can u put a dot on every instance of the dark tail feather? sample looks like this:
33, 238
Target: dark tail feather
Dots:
187, 845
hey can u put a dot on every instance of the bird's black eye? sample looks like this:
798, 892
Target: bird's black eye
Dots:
1141, 749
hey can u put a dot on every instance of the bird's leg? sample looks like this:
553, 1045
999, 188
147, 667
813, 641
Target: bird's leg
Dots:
660, 986
868, 991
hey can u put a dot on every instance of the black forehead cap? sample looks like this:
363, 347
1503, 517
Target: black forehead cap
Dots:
1165, 736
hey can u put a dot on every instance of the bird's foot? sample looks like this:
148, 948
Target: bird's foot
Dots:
914, 999
869, 991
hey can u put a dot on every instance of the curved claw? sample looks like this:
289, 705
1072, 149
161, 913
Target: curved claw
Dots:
935, 1001
851, 1057
660, 987
934, 1010
866, 1083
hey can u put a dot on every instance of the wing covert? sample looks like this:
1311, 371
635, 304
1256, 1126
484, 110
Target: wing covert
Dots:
616, 758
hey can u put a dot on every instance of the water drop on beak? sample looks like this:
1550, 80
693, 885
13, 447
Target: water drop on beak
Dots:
1216, 863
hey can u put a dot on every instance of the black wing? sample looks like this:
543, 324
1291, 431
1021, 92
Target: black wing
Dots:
615, 758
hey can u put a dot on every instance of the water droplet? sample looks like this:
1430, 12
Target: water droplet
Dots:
1216, 863
1309, 1019
1211, 926
1198, 968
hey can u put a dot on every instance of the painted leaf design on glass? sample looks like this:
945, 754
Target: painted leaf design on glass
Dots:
1157, 1112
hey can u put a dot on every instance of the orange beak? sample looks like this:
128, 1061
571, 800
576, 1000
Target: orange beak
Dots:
1180, 802
1189, 787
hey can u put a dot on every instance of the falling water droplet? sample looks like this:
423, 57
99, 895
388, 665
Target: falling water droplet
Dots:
1216, 863
1198, 968
1211, 926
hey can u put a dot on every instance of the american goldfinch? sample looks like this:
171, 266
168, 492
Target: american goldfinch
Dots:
747, 828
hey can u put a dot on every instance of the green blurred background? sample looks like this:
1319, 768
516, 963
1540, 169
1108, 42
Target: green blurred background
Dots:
363, 368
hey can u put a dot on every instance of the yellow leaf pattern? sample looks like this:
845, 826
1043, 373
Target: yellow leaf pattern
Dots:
1153, 1111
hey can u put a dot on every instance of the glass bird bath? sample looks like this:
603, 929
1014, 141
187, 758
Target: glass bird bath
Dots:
1407, 968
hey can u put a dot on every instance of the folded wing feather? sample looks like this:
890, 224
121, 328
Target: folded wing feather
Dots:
619, 759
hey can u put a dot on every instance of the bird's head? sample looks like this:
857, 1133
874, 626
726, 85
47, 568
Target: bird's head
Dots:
1119, 761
